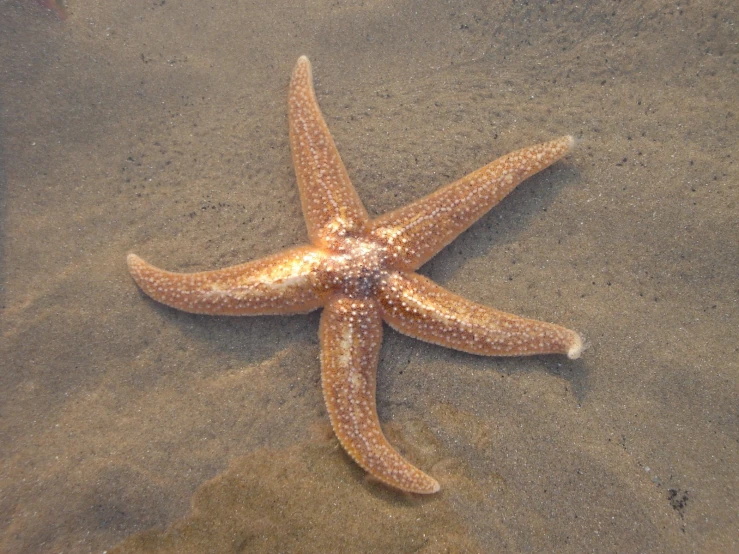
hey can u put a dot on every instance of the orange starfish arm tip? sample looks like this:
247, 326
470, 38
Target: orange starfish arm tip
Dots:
351, 335
326, 193
285, 283
418, 231
418, 307
577, 346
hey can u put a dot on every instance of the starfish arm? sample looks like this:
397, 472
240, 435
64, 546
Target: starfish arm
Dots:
416, 306
416, 232
327, 195
351, 335
284, 283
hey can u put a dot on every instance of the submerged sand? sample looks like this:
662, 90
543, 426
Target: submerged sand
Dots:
161, 128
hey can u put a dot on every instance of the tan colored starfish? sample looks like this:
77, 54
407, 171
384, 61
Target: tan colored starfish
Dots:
362, 272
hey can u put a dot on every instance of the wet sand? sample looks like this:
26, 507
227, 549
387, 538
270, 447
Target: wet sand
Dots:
161, 128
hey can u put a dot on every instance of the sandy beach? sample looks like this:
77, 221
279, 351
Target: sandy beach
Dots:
160, 128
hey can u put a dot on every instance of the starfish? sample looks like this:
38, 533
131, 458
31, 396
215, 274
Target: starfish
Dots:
361, 271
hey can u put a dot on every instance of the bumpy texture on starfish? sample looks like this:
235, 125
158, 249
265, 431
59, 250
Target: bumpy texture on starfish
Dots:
362, 272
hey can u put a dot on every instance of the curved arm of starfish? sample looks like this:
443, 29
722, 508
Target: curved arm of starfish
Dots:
416, 306
284, 283
351, 335
326, 193
416, 232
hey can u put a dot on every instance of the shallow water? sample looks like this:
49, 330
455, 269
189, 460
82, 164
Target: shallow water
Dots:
161, 128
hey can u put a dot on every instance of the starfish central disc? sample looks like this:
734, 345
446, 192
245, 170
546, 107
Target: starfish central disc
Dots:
356, 266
